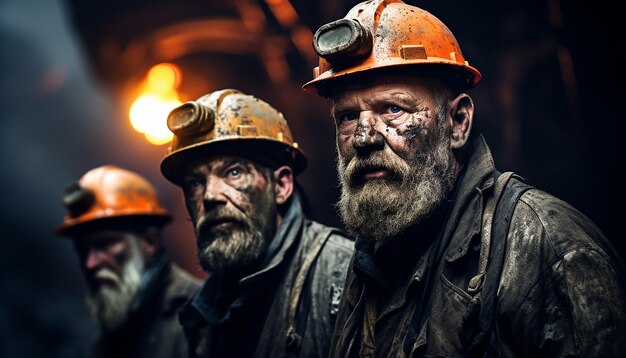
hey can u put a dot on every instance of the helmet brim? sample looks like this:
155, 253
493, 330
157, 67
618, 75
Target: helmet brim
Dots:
77, 227
465, 76
268, 152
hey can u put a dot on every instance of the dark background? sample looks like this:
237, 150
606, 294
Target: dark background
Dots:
549, 106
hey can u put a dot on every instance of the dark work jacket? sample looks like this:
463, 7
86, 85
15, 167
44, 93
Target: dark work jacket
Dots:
152, 329
285, 308
561, 291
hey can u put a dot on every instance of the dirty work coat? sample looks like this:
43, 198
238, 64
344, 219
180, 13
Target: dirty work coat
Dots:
153, 329
561, 290
285, 308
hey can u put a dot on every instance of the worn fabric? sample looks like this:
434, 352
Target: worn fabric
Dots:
561, 293
152, 329
252, 319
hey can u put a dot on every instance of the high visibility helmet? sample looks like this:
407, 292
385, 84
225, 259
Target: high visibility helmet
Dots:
110, 192
229, 122
387, 33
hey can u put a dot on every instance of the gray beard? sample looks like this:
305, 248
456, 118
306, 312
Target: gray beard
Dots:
235, 250
109, 306
379, 210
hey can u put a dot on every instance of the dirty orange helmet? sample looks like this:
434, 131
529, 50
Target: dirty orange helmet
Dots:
229, 122
110, 192
387, 33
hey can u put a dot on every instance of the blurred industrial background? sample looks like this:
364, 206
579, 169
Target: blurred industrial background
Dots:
78, 78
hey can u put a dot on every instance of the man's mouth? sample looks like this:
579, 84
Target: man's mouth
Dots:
368, 174
101, 280
221, 224
212, 225
104, 282
375, 174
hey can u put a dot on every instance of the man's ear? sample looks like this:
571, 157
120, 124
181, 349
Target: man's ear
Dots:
150, 242
283, 177
461, 118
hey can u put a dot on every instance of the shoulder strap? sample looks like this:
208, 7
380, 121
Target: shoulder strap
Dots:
476, 283
497, 218
293, 339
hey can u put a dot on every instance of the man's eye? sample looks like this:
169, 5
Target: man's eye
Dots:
103, 244
346, 117
192, 184
234, 172
394, 109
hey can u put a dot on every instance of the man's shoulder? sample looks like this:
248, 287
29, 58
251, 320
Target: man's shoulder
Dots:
331, 266
181, 287
185, 281
334, 256
553, 213
555, 225
337, 240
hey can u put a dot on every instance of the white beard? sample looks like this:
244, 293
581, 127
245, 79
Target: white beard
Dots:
110, 305
380, 210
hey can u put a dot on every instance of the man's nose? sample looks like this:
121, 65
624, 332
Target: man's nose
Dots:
214, 191
95, 259
366, 137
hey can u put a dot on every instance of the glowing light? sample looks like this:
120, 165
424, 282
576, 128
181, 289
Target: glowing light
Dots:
148, 113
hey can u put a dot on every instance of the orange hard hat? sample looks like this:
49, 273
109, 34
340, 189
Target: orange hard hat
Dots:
387, 33
109, 192
229, 122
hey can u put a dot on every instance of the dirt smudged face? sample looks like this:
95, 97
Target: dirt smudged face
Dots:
395, 163
414, 127
232, 205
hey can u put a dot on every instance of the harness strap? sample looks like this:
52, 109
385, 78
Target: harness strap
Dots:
293, 339
476, 283
499, 220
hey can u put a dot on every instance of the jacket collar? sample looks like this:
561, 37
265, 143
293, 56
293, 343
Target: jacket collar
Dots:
466, 217
364, 262
286, 235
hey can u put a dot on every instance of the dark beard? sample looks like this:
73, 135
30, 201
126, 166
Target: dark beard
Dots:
378, 210
237, 248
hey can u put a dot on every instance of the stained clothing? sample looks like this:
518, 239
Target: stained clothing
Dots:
285, 308
561, 291
152, 329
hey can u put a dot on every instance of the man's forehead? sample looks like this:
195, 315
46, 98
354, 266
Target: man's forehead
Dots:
390, 81
217, 161
89, 238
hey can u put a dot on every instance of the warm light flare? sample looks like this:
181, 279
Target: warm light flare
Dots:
163, 77
148, 113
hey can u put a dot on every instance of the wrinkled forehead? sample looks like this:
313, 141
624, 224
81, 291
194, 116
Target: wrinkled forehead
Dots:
389, 82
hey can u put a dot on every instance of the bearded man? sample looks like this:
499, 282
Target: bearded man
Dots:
134, 291
452, 258
275, 276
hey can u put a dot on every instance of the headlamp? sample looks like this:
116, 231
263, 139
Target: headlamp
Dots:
77, 199
191, 118
342, 41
